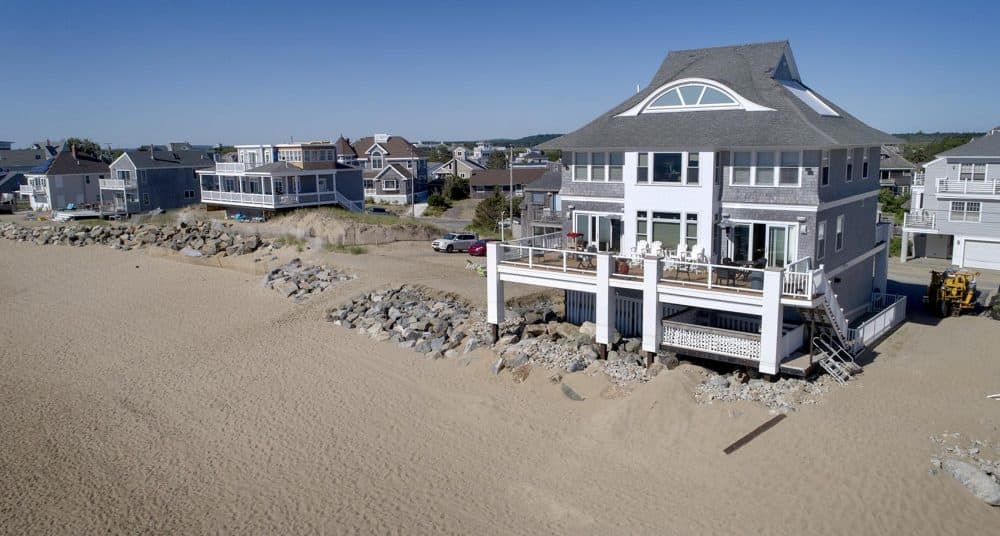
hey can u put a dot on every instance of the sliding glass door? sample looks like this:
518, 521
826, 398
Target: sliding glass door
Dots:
602, 231
760, 242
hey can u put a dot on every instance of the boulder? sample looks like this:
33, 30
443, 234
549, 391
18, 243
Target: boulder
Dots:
519, 374
975, 480
589, 329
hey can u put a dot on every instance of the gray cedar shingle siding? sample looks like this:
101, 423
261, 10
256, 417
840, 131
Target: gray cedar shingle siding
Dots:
746, 69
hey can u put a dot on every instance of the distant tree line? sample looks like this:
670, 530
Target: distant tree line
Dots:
921, 147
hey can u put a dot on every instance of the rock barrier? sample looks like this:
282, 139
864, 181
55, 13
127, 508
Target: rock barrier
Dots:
299, 282
206, 237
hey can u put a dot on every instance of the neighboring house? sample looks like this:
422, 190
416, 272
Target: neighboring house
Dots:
896, 172
484, 182
541, 209
482, 150
727, 153
140, 181
531, 157
459, 167
955, 206
14, 163
461, 152
394, 172
271, 178
67, 178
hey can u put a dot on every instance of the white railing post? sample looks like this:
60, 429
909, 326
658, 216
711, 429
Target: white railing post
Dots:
652, 324
564, 257
604, 302
531, 257
709, 280
494, 286
771, 320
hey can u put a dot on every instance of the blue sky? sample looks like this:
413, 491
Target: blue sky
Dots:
140, 72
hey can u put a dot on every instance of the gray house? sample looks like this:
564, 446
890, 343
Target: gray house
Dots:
541, 209
955, 206
895, 172
146, 180
729, 206
14, 163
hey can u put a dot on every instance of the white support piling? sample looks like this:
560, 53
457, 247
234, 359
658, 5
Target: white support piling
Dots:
494, 286
904, 249
652, 325
771, 321
605, 302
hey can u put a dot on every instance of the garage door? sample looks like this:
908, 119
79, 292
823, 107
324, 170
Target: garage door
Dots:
982, 255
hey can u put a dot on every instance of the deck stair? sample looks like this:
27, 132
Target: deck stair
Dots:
836, 360
835, 346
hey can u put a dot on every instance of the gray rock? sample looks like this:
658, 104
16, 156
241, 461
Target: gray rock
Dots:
471, 344
576, 365
975, 479
189, 252
570, 393
589, 329
497, 366
521, 372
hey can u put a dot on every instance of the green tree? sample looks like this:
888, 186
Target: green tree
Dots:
494, 208
223, 149
85, 145
438, 201
497, 160
441, 153
554, 155
455, 188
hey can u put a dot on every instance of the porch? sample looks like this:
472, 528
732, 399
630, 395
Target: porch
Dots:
274, 192
727, 337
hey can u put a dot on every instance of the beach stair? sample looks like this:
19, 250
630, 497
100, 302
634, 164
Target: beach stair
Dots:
835, 346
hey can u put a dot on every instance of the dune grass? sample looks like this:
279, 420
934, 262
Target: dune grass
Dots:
343, 248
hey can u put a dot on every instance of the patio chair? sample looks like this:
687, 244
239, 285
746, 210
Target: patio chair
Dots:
698, 254
727, 275
638, 252
656, 248
681, 253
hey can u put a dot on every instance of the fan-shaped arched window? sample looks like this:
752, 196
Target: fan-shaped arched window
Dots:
694, 96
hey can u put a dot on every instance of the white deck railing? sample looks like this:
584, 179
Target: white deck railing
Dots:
116, 184
890, 311
985, 188
552, 240
714, 340
920, 220
234, 167
562, 260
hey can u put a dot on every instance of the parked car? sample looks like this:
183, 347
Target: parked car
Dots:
378, 211
478, 248
454, 242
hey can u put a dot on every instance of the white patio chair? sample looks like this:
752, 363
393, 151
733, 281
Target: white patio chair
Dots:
698, 254
681, 254
656, 248
638, 252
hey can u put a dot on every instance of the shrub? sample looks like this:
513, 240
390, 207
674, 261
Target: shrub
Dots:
437, 201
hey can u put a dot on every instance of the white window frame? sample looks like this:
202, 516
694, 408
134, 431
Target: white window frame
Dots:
576, 166
849, 165
394, 185
838, 244
865, 167
824, 167
965, 211
776, 167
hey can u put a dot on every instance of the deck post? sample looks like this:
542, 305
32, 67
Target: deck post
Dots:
604, 303
652, 324
904, 246
494, 286
771, 320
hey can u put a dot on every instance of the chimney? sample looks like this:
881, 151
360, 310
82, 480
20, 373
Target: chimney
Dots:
73, 148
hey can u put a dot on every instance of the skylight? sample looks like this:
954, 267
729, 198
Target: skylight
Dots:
809, 98
693, 95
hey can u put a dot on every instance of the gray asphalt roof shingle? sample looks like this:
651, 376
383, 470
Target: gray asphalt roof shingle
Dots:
747, 70
167, 159
550, 181
988, 145
65, 164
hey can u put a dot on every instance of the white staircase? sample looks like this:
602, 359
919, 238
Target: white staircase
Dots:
353, 206
835, 346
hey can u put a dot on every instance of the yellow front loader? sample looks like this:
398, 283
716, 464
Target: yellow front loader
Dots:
951, 291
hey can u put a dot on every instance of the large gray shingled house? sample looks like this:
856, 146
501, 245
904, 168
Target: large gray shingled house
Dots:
726, 159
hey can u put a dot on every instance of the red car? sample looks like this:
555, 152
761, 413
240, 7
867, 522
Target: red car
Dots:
478, 248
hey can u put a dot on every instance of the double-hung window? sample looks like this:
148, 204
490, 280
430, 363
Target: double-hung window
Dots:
691, 230
642, 171
973, 172
580, 163
788, 174
597, 166
765, 168
840, 233
617, 164
820, 240
824, 179
667, 167
864, 165
969, 211
741, 168
641, 232
849, 170
692, 169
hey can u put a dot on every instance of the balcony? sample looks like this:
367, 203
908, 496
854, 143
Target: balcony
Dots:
545, 214
117, 184
279, 201
234, 167
921, 221
918, 179
958, 188
27, 189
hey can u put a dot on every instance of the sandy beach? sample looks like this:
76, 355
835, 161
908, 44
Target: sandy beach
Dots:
144, 393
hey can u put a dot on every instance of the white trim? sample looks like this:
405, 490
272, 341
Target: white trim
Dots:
768, 206
641, 107
594, 199
374, 145
855, 261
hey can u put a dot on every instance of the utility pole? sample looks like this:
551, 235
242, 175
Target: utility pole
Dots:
510, 168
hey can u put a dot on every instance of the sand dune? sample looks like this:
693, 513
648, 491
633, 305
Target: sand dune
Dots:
140, 392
